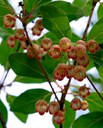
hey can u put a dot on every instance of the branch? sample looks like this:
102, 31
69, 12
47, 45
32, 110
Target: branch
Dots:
89, 20
94, 87
41, 66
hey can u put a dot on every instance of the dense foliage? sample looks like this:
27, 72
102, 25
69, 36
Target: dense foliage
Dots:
47, 49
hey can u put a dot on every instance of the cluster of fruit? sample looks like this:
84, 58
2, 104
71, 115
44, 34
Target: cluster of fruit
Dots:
75, 51
80, 103
53, 108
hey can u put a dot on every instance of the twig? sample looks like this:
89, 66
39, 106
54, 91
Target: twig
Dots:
2, 84
89, 20
41, 66
64, 92
94, 87
46, 76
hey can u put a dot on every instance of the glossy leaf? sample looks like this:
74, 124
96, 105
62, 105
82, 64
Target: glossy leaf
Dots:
90, 120
3, 113
56, 21
100, 11
24, 79
22, 117
98, 62
24, 66
25, 103
71, 11
96, 32
85, 5
69, 116
95, 102
33, 4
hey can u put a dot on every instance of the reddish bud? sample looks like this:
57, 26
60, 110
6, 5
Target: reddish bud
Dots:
58, 117
83, 60
79, 73
81, 50
46, 43
84, 105
81, 42
72, 53
9, 21
11, 41
65, 44
61, 71
20, 35
70, 71
84, 91
75, 104
92, 46
53, 107
55, 51
41, 106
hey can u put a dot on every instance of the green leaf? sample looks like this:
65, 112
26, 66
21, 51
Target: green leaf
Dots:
25, 103
100, 71
69, 116
98, 62
85, 5
56, 21
33, 4
3, 113
73, 12
96, 79
24, 79
22, 117
90, 120
5, 51
95, 103
96, 32
4, 32
24, 66
100, 11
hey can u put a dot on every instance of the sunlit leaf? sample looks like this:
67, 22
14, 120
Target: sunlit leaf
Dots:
95, 102
90, 120
56, 21
25, 103
96, 32
24, 66
24, 79
100, 11
33, 4
85, 5
73, 12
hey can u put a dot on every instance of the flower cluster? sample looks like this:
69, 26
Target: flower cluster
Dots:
53, 108
77, 103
